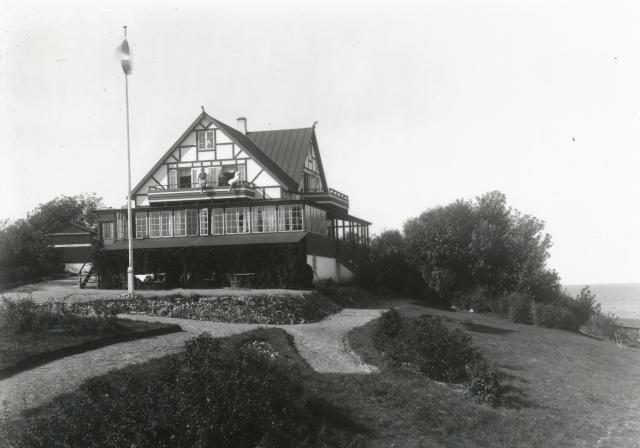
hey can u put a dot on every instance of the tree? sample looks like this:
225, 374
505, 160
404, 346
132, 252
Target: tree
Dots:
481, 243
25, 253
79, 209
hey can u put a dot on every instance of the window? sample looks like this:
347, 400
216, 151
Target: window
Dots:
217, 221
237, 220
154, 225
185, 177
107, 232
243, 172
264, 219
141, 225
206, 140
173, 179
204, 221
180, 222
166, 224
315, 220
290, 218
121, 226
192, 222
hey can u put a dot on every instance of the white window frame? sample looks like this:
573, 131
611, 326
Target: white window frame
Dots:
286, 218
191, 216
173, 179
204, 221
217, 221
265, 219
180, 223
166, 224
237, 220
155, 225
142, 230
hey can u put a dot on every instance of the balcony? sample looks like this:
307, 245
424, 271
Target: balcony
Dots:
174, 193
329, 198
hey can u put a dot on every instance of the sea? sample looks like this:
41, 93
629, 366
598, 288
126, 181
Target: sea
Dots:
621, 299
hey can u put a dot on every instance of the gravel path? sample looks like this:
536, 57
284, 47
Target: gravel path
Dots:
322, 344
66, 289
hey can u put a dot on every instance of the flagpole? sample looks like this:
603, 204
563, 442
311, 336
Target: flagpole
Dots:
129, 226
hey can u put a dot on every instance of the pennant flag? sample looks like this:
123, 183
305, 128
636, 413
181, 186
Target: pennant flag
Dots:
126, 57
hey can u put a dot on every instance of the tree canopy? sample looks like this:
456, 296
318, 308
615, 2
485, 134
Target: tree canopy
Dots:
481, 243
79, 209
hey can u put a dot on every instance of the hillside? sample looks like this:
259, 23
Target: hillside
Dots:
561, 389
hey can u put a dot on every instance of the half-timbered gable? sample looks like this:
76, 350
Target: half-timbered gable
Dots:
208, 144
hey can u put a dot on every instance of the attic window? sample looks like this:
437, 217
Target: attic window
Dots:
206, 140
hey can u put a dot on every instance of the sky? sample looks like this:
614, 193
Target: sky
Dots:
418, 104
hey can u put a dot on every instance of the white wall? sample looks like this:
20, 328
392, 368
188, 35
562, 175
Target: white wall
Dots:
328, 268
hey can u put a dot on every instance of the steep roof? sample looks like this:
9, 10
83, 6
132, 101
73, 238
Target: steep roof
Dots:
286, 147
259, 154
281, 153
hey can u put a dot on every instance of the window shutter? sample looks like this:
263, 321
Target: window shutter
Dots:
210, 178
194, 177
215, 174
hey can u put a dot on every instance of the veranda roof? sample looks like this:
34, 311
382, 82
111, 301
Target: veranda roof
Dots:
203, 241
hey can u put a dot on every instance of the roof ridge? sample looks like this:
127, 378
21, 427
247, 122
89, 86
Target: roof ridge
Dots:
280, 130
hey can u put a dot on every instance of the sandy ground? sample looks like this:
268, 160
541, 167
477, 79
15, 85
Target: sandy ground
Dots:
322, 344
68, 289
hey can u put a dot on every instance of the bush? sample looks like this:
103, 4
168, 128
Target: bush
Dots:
206, 397
473, 299
390, 324
554, 316
260, 309
484, 385
519, 308
426, 343
582, 307
27, 316
603, 325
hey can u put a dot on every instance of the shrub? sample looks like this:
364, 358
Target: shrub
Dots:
475, 299
554, 316
426, 343
27, 316
484, 385
206, 397
389, 324
603, 325
582, 307
519, 308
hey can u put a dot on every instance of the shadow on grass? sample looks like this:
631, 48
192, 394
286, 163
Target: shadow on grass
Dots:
478, 328
513, 398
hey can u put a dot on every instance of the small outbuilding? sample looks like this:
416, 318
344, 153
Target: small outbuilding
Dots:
74, 243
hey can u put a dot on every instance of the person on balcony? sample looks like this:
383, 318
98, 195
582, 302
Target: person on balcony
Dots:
202, 179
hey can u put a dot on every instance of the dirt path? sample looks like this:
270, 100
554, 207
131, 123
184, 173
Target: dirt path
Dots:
322, 344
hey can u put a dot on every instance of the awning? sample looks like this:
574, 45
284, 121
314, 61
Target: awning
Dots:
211, 240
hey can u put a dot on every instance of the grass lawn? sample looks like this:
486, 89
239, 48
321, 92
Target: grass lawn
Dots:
48, 337
560, 390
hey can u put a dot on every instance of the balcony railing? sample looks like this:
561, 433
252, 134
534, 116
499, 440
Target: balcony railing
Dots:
330, 197
196, 185
193, 191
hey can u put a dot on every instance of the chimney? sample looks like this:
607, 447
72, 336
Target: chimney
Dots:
242, 125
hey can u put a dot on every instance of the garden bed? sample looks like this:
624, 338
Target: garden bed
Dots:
257, 309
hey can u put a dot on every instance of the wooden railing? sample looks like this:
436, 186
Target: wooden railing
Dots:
330, 192
194, 186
